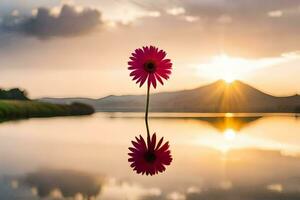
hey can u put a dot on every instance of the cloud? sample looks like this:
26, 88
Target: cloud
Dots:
73, 185
48, 22
275, 187
65, 183
275, 13
190, 18
245, 28
114, 189
175, 11
251, 28
250, 193
15, 13
175, 196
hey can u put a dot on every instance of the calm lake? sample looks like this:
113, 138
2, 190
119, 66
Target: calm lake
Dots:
216, 157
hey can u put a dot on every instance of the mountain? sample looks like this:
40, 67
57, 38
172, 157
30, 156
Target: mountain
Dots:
216, 97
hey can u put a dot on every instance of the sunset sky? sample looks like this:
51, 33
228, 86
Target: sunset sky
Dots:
81, 47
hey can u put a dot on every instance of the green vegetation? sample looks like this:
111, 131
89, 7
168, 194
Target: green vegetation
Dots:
14, 93
17, 109
15, 104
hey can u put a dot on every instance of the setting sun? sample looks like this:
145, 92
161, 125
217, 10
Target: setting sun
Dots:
229, 68
229, 79
224, 67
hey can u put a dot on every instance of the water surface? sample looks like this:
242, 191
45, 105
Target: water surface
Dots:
221, 156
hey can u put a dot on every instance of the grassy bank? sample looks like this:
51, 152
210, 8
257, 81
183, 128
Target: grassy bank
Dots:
15, 109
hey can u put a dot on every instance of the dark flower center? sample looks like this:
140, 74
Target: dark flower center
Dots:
150, 157
150, 66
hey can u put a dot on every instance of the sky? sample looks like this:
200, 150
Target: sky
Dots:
55, 48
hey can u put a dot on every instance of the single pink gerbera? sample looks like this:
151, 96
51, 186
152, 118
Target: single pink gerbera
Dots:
149, 158
150, 64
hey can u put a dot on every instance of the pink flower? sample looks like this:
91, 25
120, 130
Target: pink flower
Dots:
150, 158
149, 64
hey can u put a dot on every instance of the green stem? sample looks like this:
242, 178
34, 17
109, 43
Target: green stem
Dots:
147, 109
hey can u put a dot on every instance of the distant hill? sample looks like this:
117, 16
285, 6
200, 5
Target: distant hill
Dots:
216, 97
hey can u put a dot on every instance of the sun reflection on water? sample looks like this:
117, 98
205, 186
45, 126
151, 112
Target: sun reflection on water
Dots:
229, 114
229, 134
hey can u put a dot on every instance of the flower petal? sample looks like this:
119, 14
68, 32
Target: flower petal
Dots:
140, 57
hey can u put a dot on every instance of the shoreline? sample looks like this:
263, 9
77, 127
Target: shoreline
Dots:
19, 109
